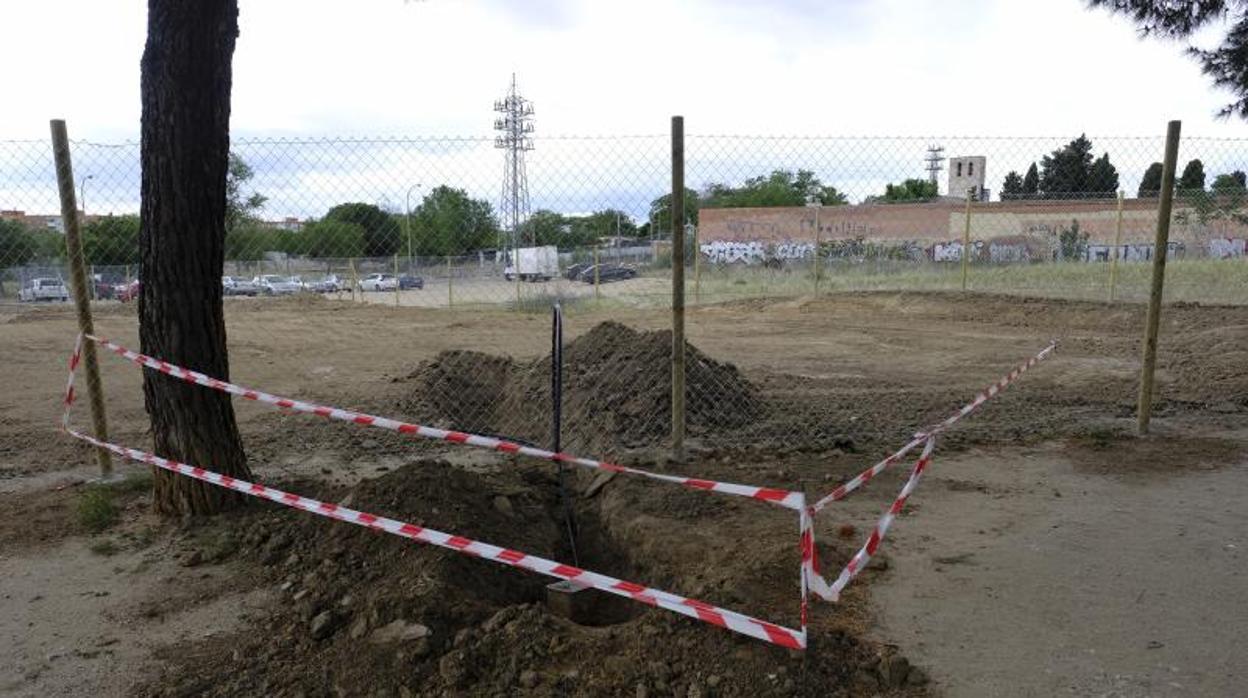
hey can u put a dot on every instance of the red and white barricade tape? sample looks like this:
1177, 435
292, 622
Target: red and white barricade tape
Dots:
722, 617
988, 393
810, 566
810, 578
784, 498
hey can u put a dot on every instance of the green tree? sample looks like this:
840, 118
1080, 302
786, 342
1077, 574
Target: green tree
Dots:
1031, 183
1230, 184
1150, 184
1103, 178
1064, 173
112, 240
17, 244
250, 240
449, 222
911, 190
660, 214
186, 75
780, 188
1012, 186
1073, 242
546, 227
382, 234
239, 207
330, 238
1227, 64
1193, 177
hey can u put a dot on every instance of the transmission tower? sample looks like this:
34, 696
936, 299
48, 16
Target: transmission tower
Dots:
514, 125
935, 159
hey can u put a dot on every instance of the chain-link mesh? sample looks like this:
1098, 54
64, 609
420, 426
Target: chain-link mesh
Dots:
414, 223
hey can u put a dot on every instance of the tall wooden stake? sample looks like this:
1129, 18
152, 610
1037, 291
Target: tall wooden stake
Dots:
678, 287
78, 283
1160, 246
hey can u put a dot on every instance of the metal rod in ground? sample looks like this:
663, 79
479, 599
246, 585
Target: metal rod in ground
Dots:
1160, 245
678, 287
78, 283
556, 422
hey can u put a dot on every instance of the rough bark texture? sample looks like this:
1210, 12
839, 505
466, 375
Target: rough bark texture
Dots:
186, 78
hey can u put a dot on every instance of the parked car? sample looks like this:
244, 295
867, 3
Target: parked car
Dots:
47, 289
574, 272
105, 286
608, 272
274, 285
127, 292
408, 281
379, 282
329, 284
233, 286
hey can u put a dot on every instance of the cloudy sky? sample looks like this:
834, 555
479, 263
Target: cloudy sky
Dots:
797, 68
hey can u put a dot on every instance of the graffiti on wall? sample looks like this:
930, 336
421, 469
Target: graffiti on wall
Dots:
1227, 248
722, 252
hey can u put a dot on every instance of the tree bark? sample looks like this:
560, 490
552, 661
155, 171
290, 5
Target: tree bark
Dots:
186, 80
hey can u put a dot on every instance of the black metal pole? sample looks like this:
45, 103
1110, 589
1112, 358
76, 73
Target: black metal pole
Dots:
556, 395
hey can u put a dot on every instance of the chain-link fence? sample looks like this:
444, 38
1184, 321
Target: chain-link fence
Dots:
416, 223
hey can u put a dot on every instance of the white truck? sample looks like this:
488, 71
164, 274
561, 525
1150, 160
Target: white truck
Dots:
532, 263
44, 290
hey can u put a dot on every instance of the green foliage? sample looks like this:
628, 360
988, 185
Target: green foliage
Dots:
382, 235
545, 227
96, 510
780, 188
1073, 243
1012, 186
912, 190
1070, 172
1150, 184
1031, 182
449, 222
1064, 172
660, 214
240, 208
1233, 183
1102, 179
329, 238
1193, 178
18, 245
251, 240
111, 240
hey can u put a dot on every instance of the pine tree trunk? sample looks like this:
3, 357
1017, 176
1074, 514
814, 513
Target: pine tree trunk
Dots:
186, 78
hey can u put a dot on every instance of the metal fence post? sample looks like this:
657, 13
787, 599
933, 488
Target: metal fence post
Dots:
678, 287
1159, 275
1113, 262
966, 240
596, 269
398, 286
78, 282
355, 281
450, 293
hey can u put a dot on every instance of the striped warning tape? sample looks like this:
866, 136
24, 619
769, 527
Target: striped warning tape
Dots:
784, 498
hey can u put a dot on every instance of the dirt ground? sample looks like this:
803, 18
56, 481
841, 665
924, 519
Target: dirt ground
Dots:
1046, 552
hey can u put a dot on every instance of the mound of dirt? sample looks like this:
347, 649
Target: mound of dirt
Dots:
364, 613
616, 392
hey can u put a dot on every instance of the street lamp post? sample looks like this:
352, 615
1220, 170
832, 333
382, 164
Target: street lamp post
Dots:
407, 223
82, 195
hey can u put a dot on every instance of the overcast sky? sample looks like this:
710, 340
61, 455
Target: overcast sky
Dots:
847, 67
802, 67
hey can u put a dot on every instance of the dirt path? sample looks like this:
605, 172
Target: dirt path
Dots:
1024, 573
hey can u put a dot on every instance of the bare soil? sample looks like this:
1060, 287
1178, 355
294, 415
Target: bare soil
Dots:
825, 386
